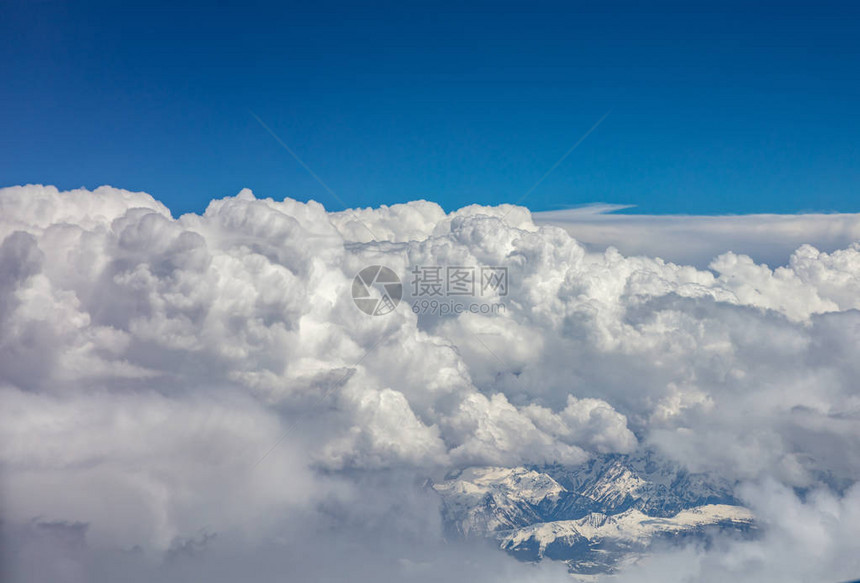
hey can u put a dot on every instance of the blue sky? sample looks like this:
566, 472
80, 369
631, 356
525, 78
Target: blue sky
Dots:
715, 107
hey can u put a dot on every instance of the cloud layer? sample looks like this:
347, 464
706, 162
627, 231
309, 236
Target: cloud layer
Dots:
696, 240
191, 395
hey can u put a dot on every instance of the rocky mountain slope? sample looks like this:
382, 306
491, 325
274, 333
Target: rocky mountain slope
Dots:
595, 516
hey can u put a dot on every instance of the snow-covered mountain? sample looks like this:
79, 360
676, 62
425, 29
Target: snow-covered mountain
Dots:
593, 516
483, 501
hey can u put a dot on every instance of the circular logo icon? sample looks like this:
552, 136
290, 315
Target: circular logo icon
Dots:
376, 290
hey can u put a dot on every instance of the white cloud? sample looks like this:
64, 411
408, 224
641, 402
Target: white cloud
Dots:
803, 540
696, 240
166, 381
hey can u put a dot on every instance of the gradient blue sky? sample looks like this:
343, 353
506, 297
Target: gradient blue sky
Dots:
715, 107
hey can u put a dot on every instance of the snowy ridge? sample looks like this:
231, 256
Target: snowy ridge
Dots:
631, 526
484, 500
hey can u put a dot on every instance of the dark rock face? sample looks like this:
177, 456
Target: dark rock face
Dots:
614, 483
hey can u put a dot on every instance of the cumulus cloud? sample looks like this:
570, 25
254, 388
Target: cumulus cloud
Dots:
195, 394
810, 539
